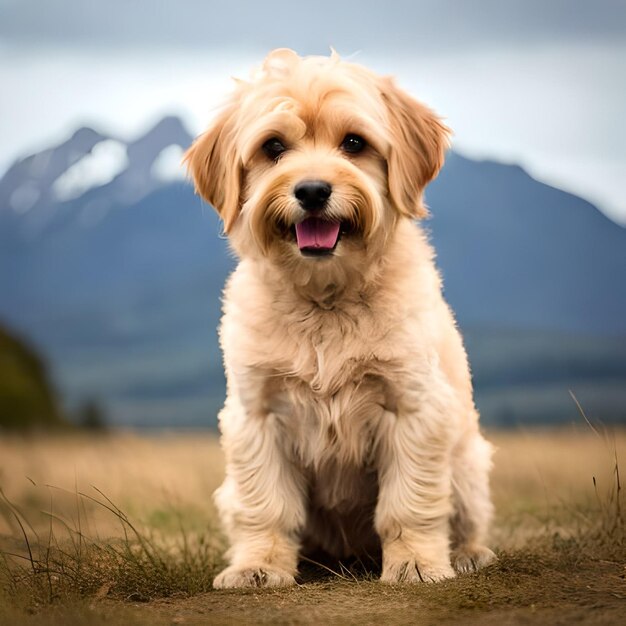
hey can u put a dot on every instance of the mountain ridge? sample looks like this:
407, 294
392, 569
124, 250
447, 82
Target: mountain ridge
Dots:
120, 286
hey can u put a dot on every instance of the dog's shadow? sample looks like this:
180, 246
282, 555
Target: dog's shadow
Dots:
319, 566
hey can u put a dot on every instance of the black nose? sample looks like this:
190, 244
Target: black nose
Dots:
312, 194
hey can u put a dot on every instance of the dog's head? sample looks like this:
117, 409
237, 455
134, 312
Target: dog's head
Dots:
315, 160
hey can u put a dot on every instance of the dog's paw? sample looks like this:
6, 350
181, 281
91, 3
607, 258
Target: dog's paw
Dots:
263, 576
472, 558
411, 571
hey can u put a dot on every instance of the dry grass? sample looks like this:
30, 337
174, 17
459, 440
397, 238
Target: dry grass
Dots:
122, 528
148, 477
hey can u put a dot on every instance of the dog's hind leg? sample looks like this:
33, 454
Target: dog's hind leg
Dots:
471, 462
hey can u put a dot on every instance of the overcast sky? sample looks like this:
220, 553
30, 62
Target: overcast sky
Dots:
540, 83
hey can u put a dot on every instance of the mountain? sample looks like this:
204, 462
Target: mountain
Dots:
111, 264
518, 253
38, 193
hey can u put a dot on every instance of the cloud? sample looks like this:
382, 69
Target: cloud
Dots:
311, 27
535, 82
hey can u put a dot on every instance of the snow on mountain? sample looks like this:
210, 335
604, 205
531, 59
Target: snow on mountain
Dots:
28, 182
101, 165
25, 197
168, 166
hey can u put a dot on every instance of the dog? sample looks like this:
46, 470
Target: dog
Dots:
349, 424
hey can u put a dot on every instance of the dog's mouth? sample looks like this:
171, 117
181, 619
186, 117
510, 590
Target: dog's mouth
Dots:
316, 236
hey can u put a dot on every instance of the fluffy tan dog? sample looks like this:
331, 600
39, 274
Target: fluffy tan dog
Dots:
349, 423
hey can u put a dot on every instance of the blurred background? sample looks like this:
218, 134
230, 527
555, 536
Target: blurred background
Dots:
111, 268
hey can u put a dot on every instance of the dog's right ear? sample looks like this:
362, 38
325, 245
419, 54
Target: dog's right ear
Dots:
216, 168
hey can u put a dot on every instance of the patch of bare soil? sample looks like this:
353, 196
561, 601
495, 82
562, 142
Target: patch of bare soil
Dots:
523, 588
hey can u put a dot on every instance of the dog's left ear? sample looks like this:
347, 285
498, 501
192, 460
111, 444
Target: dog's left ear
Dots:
419, 143
216, 168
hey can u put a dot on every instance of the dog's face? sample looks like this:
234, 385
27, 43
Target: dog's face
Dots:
315, 160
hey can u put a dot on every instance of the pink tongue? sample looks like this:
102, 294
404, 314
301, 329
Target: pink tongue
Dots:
317, 233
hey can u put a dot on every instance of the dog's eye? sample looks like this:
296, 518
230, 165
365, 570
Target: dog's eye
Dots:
273, 148
353, 144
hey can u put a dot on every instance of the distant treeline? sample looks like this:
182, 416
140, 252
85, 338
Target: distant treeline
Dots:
28, 399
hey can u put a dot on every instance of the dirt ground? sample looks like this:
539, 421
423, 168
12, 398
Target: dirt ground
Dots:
558, 532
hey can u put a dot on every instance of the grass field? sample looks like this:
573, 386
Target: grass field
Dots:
121, 529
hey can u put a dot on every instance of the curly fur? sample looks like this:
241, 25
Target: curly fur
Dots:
349, 423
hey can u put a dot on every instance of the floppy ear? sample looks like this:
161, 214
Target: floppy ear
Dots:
216, 168
419, 143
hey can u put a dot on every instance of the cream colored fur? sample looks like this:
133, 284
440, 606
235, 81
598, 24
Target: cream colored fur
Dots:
349, 422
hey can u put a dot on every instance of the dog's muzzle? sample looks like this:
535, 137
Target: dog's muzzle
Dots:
315, 235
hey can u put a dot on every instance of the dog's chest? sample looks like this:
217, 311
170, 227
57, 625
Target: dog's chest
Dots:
331, 436
331, 401
328, 377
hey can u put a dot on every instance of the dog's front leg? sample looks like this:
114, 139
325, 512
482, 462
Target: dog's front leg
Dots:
261, 502
414, 502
